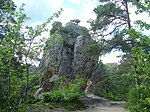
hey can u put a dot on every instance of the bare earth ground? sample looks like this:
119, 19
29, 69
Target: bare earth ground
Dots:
96, 104
95, 109
103, 108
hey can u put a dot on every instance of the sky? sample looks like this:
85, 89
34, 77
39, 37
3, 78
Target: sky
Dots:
40, 10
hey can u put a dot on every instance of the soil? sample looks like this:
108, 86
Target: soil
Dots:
104, 108
96, 104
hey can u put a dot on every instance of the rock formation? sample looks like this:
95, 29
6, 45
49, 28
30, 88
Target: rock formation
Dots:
68, 52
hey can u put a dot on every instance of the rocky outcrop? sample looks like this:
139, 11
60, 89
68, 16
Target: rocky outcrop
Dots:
68, 52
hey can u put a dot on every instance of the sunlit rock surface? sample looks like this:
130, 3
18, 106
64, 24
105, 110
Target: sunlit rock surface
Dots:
68, 53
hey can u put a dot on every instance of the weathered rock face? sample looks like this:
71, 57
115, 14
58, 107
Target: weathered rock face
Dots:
69, 53
57, 24
84, 61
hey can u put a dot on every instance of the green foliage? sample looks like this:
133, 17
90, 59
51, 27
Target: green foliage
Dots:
114, 84
76, 21
139, 99
141, 78
66, 96
108, 9
52, 41
69, 93
95, 49
74, 91
19, 49
106, 16
57, 29
112, 19
134, 43
118, 42
139, 95
55, 96
142, 6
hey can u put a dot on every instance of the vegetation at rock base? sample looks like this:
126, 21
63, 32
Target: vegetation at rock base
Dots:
67, 96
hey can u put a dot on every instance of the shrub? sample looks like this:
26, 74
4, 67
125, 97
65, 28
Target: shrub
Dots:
72, 92
139, 99
54, 96
69, 93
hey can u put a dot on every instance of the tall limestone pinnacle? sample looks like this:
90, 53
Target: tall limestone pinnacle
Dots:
69, 53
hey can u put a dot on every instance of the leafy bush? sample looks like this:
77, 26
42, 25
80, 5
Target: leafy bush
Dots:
114, 84
69, 93
72, 92
139, 99
66, 96
54, 96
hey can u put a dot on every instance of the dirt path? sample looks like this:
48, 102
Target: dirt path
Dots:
98, 108
97, 104
104, 109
